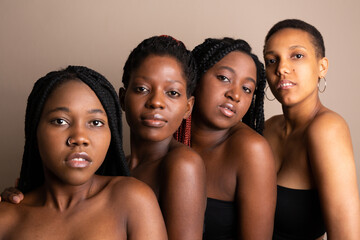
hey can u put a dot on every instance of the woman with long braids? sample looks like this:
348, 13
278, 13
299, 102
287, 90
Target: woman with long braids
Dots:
225, 129
72, 131
316, 177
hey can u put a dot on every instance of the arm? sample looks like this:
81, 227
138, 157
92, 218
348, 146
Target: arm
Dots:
145, 220
331, 158
256, 189
183, 195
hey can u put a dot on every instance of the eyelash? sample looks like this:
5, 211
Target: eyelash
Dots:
268, 61
247, 90
272, 60
56, 121
93, 123
141, 89
223, 78
298, 54
98, 121
173, 93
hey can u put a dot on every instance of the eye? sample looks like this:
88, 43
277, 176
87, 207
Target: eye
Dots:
141, 89
298, 56
247, 90
59, 122
223, 78
270, 61
96, 123
173, 93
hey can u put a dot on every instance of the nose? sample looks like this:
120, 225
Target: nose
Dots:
155, 100
78, 136
233, 93
283, 67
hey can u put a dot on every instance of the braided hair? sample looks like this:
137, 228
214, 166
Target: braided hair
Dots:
212, 51
162, 46
32, 175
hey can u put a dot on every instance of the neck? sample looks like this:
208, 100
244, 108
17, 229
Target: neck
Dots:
64, 196
301, 114
204, 137
144, 151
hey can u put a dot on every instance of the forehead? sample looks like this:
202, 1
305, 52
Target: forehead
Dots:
240, 62
160, 68
289, 37
73, 93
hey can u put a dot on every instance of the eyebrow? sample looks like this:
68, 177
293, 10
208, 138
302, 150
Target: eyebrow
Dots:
232, 70
291, 48
65, 109
167, 80
227, 68
251, 80
176, 81
97, 111
297, 46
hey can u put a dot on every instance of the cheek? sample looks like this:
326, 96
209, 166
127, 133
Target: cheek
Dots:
205, 95
102, 141
246, 102
131, 112
49, 143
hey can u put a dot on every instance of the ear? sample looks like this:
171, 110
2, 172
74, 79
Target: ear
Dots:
189, 106
323, 67
122, 92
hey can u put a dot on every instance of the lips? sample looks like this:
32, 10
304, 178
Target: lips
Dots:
227, 109
78, 160
285, 84
153, 120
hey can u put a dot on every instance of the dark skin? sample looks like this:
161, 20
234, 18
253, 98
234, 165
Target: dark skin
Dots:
155, 103
73, 203
239, 163
311, 144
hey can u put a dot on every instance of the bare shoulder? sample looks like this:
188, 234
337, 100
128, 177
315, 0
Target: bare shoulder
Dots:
328, 138
182, 157
273, 125
129, 188
249, 145
10, 215
274, 120
326, 123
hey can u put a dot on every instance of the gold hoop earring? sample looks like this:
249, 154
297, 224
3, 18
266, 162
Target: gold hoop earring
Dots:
267, 87
323, 90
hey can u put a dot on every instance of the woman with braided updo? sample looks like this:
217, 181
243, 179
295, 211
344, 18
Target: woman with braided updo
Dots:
316, 176
225, 125
72, 131
159, 78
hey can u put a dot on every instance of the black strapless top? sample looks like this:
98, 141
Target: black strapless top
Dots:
298, 215
220, 220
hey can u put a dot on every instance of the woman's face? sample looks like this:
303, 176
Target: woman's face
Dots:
292, 66
73, 112
155, 102
224, 93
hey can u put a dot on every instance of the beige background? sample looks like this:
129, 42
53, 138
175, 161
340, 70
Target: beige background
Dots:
37, 36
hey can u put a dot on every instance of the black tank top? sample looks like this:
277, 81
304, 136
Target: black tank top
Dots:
220, 220
298, 215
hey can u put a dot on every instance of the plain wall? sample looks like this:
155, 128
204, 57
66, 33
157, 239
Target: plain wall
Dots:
39, 36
